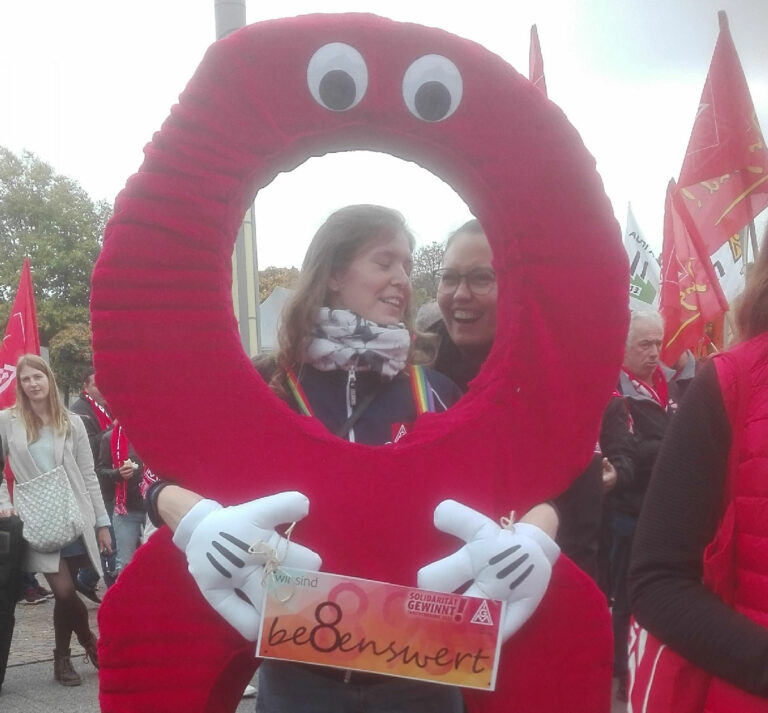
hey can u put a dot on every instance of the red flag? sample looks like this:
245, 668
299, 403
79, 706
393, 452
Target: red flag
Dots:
536, 62
690, 293
21, 336
724, 177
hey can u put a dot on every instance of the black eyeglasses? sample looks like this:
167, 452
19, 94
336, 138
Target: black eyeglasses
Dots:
480, 281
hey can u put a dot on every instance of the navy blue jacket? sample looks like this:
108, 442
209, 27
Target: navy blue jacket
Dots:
393, 404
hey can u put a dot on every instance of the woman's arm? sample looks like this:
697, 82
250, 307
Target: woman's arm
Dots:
680, 517
6, 507
173, 502
545, 517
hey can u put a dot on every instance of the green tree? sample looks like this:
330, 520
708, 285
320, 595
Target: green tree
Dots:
272, 277
426, 260
50, 218
71, 352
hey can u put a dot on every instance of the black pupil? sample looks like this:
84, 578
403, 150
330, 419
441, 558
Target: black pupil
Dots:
433, 100
337, 90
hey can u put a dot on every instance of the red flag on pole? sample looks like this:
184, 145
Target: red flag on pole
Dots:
536, 62
724, 178
690, 293
21, 336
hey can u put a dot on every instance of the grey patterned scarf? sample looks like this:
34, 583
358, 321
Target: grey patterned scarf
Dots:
342, 339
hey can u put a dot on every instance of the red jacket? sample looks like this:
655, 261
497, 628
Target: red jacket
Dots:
743, 377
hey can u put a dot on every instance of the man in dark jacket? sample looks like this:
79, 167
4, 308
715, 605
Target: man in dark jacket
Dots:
119, 464
650, 396
92, 409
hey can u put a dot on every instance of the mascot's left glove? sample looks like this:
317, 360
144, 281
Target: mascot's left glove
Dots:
514, 564
228, 548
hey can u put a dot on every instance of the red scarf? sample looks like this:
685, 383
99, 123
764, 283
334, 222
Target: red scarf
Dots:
659, 391
103, 416
148, 477
119, 446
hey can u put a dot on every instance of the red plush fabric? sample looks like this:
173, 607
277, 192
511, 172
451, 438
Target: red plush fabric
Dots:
170, 363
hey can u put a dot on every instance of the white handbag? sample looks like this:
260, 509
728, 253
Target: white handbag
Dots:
48, 508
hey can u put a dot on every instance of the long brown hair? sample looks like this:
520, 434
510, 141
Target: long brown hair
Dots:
752, 308
31, 421
334, 246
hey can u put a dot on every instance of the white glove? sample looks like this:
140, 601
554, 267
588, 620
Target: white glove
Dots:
514, 565
216, 541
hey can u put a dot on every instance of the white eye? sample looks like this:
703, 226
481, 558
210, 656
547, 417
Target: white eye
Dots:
337, 76
432, 88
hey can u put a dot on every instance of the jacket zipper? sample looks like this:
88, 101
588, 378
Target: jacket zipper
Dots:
351, 398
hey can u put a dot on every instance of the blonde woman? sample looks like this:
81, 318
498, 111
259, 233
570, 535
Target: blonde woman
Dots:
38, 435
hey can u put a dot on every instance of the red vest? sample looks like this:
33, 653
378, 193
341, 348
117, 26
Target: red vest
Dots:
743, 376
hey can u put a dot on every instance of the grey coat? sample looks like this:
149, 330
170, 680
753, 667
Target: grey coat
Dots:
73, 451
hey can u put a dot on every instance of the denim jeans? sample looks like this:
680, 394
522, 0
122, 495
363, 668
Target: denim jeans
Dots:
128, 529
286, 687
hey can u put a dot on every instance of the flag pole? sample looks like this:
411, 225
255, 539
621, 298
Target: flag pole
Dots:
698, 246
752, 235
536, 62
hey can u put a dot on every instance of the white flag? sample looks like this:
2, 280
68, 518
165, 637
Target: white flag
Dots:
644, 271
728, 262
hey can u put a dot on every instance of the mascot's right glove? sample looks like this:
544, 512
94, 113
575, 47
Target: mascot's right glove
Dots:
230, 550
514, 564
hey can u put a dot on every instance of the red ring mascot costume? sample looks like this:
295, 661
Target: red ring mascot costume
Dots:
170, 361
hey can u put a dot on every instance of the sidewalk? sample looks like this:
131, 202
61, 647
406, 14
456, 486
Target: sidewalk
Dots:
29, 686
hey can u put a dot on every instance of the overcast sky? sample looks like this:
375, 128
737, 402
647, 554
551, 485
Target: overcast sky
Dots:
85, 83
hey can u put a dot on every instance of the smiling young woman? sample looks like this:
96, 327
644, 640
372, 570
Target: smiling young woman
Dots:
343, 359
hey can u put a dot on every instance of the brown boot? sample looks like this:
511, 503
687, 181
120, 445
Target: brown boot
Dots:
62, 669
91, 647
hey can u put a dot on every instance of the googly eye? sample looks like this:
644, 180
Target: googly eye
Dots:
432, 88
337, 76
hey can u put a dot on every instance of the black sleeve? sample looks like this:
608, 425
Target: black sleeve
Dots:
579, 509
150, 501
680, 517
617, 442
103, 462
94, 432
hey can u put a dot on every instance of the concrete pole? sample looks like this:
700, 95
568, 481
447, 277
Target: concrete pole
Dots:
230, 16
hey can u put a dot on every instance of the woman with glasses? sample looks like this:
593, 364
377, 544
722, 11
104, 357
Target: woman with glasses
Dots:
467, 294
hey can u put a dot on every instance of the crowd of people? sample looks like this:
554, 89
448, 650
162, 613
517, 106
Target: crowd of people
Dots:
660, 488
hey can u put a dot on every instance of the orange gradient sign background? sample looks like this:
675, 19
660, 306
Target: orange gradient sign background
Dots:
350, 623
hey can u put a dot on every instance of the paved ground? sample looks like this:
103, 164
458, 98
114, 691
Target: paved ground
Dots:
29, 686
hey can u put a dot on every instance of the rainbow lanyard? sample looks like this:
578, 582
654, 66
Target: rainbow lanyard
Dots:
422, 393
